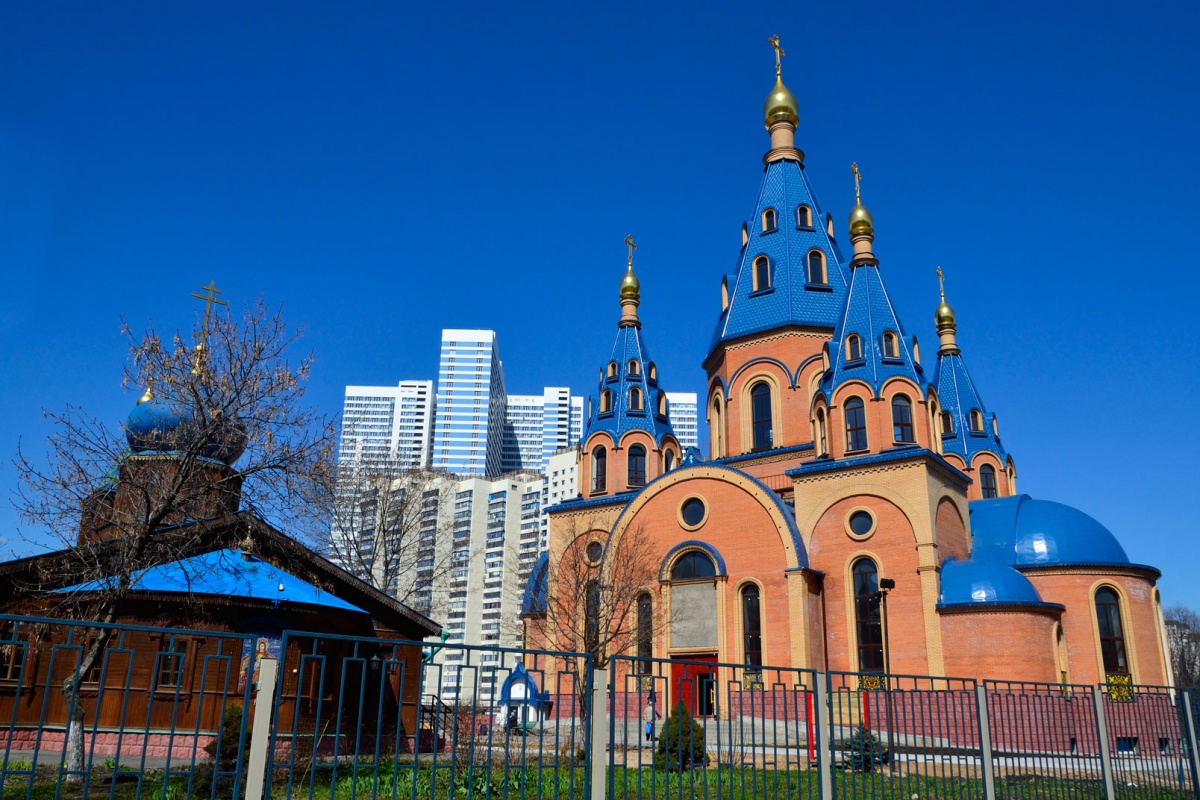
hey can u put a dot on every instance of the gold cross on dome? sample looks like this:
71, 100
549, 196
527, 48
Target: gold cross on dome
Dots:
857, 179
941, 283
774, 40
632, 247
208, 299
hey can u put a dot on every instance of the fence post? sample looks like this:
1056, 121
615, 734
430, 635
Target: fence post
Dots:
260, 733
985, 743
1106, 769
1189, 731
598, 719
824, 729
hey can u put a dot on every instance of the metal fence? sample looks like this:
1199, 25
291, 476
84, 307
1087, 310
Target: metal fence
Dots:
171, 714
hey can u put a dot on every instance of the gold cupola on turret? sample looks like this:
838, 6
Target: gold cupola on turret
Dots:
631, 290
947, 327
781, 104
862, 227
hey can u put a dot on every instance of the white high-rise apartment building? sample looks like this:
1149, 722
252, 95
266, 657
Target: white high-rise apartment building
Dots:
684, 419
484, 590
468, 432
385, 423
537, 426
560, 481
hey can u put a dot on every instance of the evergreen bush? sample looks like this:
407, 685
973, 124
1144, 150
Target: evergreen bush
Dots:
681, 742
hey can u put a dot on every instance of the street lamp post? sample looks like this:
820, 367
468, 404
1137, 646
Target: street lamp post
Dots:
886, 585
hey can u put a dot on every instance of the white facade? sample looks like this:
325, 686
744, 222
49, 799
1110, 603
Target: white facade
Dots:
538, 426
490, 519
560, 482
382, 423
684, 419
468, 431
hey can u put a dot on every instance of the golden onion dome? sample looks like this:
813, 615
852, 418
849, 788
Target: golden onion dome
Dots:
860, 219
781, 105
944, 316
631, 287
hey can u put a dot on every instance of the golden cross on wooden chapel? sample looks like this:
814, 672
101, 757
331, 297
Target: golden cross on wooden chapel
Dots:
857, 178
774, 40
941, 283
632, 247
208, 299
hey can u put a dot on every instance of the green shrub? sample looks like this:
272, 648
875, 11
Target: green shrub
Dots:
681, 742
864, 750
232, 735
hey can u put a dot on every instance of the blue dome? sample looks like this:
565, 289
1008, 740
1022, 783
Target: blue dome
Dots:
984, 583
1024, 532
534, 601
152, 425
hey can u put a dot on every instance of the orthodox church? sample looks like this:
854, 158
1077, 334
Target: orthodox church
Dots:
857, 509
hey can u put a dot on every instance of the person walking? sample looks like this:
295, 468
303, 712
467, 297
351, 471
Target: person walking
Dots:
648, 717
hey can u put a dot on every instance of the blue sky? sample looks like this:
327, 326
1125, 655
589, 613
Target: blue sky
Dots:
386, 170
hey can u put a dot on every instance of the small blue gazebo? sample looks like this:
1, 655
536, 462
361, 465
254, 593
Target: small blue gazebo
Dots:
523, 704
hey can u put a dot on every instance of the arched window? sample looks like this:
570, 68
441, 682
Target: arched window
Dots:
856, 425
760, 415
745, 234
891, 345
637, 465
853, 348
635, 399
606, 401
645, 632
816, 268
692, 565
987, 481
591, 618
868, 622
751, 626
803, 217
716, 431
633, 368
1112, 637
947, 423
822, 442
599, 468
762, 273
652, 371
612, 369
662, 404
976, 420
669, 461
768, 220
902, 421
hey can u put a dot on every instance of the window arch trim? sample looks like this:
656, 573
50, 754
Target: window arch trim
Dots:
804, 217
682, 549
770, 220
762, 273
904, 429
819, 276
1127, 636
635, 465
746, 409
852, 611
740, 621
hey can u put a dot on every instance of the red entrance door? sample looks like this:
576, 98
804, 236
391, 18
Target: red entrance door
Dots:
695, 685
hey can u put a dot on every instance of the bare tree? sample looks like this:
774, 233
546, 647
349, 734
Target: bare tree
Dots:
392, 527
167, 480
1183, 640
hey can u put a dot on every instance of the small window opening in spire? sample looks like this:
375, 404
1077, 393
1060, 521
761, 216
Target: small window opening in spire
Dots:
768, 220
947, 423
976, 421
853, 348
745, 234
606, 401
803, 217
652, 371
633, 368
662, 404
612, 369
762, 274
891, 345
635, 399
829, 225
816, 268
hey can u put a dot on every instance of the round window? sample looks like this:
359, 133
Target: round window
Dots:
861, 523
693, 511
594, 551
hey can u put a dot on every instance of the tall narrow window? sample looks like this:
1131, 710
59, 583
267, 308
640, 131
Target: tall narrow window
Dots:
599, 469
716, 431
637, 465
853, 348
612, 369
902, 422
816, 268
891, 345
976, 420
751, 627
635, 399
867, 619
652, 371
633, 368
606, 401
1112, 637
662, 404
856, 425
645, 633
947, 423
669, 461
987, 481
768, 220
804, 217
760, 415
762, 273
822, 443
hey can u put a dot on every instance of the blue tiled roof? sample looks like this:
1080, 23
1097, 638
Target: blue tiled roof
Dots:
984, 583
869, 313
588, 502
1023, 532
534, 601
957, 395
790, 301
778, 451
894, 454
230, 573
629, 346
